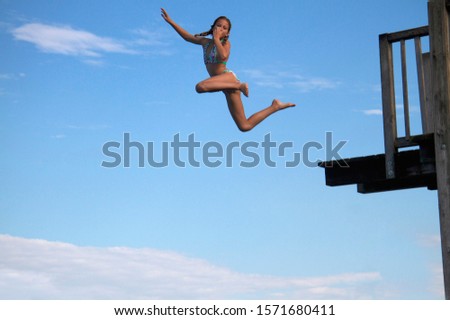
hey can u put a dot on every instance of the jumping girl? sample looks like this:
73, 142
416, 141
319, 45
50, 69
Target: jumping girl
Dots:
216, 52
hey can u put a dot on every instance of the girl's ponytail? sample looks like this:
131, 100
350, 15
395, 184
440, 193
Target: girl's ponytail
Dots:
206, 33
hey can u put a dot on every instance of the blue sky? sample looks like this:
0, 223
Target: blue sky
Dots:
75, 75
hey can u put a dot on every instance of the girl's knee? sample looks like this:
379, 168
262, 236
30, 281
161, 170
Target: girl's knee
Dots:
244, 127
200, 87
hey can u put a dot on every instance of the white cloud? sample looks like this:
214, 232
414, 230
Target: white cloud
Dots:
149, 38
264, 79
373, 112
39, 269
12, 76
6, 77
433, 241
91, 127
68, 41
281, 79
59, 136
399, 110
307, 85
436, 286
429, 240
88, 46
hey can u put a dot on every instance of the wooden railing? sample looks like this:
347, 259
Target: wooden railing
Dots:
391, 140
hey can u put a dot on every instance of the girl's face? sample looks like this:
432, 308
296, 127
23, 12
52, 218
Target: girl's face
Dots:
222, 26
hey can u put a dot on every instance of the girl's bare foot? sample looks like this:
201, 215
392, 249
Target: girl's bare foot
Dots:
244, 88
281, 105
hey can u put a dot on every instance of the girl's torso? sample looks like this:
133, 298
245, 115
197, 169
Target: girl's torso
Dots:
210, 57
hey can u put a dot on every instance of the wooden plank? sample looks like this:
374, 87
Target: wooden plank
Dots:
428, 111
424, 180
405, 90
408, 34
413, 140
415, 169
388, 101
421, 83
440, 73
359, 170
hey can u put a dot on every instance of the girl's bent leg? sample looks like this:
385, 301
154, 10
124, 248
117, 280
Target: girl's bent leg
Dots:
237, 111
225, 81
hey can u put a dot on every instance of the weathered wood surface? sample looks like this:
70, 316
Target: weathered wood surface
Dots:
405, 90
440, 76
388, 100
414, 169
408, 34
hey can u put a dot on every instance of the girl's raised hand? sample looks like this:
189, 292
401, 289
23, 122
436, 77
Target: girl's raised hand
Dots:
165, 15
219, 33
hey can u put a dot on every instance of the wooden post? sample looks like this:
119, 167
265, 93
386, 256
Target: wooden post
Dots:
423, 79
427, 111
405, 90
388, 100
440, 74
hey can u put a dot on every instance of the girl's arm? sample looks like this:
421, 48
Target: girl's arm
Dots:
223, 49
183, 33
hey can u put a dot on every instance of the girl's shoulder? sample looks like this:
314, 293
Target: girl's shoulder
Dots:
204, 40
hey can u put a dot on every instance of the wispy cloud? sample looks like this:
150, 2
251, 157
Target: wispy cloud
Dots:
433, 241
399, 109
66, 40
282, 79
39, 269
264, 79
12, 76
373, 112
311, 84
77, 128
429, 240
59, 136
145, 37
7, 77
436, 286
92, 127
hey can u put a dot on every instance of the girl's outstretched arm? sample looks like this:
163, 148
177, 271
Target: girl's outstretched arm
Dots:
183, 33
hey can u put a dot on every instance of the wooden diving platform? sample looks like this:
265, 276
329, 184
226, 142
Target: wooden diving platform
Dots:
411, 161
414, 169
